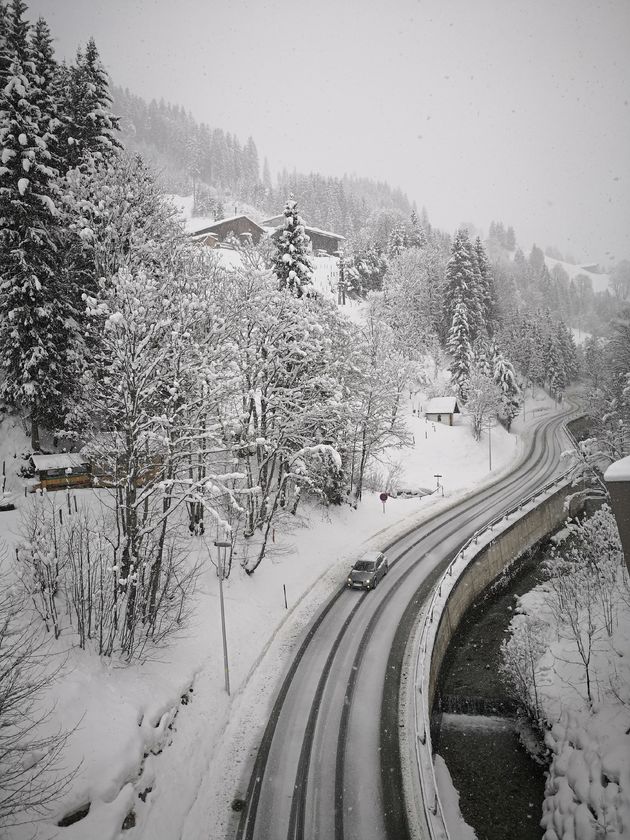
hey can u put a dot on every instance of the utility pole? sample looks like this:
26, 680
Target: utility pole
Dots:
221, 549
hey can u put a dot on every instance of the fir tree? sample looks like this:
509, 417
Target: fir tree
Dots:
505, 377
417, 235
292, 265
462, 287
485, 292
459, 346
88, 126
34, 317
397, 241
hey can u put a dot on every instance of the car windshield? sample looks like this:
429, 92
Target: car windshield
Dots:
364, 566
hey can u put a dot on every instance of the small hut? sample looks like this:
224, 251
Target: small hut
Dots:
63, 469
441, 410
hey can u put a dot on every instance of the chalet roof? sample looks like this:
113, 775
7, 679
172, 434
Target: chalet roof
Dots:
324, 232
220, 222
276, 221
59, 461
442, 405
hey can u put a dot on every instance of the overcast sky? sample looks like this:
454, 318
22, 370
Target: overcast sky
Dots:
513, 110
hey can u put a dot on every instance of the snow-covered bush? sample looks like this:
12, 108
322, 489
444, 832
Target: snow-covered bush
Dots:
70, 569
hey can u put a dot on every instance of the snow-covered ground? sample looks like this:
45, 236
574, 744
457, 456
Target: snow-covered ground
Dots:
600, 281
163, 739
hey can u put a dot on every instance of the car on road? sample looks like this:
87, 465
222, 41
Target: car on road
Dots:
368, 570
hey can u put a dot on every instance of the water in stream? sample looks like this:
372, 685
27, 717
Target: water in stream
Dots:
500, 787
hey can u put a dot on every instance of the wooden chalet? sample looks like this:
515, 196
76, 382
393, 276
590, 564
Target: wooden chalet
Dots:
241, 227
441, 410
322, 241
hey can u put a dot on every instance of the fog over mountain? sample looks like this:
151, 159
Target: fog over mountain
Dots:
476, 111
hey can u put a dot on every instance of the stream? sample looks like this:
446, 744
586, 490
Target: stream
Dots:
500, 787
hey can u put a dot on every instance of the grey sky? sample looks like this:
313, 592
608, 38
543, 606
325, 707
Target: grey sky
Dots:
514, 110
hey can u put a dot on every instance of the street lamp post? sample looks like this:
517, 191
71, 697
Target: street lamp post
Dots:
489, 446
221, 549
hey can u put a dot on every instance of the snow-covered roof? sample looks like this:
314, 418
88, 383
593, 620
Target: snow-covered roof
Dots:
60, 461
618, 471
220, 222
321, 232
442, 405
275, 222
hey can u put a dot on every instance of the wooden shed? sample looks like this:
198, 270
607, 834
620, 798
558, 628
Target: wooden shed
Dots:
441, 410
64, 469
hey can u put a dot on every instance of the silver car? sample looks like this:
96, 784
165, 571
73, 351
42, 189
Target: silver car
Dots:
368, 571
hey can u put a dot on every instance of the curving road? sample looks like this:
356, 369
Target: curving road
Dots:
328, 767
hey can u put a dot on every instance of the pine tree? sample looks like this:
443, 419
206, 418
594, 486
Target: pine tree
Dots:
486, 292
505, 377
459, 346
397, 241
462, 286
417, 235
5, 60
88, 126
292, 264
34, 309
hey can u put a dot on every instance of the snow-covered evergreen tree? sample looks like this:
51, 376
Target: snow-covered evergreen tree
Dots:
504, 376
417, 234
462, 287
460, 349
485, 288
397, 241
292, 264
88, 126
35, 313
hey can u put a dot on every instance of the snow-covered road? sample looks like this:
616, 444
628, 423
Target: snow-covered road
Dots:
328, 765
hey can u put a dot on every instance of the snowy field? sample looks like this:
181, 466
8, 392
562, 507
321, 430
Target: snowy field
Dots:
162, 740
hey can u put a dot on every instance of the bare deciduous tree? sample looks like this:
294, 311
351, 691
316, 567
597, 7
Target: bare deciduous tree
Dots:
31, 777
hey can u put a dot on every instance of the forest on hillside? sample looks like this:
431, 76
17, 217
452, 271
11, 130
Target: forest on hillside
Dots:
213, 164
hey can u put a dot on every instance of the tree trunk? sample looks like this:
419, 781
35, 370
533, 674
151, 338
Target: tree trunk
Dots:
34, 432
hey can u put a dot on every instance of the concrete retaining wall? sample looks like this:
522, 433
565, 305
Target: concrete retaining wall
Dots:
490, 562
